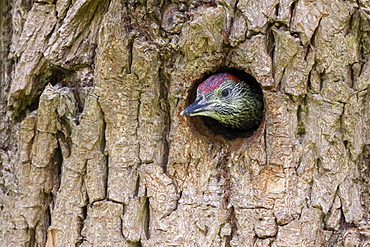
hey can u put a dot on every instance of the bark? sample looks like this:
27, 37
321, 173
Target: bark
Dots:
93, 151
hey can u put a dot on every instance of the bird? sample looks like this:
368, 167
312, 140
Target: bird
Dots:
233, 102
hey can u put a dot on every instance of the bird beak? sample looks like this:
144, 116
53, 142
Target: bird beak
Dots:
198, 106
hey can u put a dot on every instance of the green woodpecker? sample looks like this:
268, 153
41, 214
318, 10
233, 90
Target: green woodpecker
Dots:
232, 102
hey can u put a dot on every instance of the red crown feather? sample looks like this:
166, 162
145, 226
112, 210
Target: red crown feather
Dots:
214, 81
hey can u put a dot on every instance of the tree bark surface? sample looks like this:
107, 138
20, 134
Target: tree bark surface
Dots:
94, 151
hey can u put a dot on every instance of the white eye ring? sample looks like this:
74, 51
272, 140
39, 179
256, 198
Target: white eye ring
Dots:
225, 92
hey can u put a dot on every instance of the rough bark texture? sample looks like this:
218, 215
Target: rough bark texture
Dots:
93, 151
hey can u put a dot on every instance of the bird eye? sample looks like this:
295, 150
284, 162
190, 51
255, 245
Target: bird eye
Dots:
225, 92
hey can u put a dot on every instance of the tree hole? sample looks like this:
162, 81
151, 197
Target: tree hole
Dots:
207, 126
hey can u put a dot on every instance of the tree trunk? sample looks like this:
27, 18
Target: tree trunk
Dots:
94, 152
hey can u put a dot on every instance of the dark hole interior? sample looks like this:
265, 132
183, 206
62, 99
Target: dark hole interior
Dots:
210, 127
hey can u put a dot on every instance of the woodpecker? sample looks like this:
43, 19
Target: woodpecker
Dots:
232, 102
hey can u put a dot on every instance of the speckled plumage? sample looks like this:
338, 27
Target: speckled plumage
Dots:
232, 102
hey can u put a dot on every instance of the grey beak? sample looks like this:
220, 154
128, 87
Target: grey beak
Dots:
197, 106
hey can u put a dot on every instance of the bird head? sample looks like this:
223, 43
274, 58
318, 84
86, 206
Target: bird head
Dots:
227, 99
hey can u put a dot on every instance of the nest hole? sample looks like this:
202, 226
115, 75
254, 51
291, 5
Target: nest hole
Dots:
210, 127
